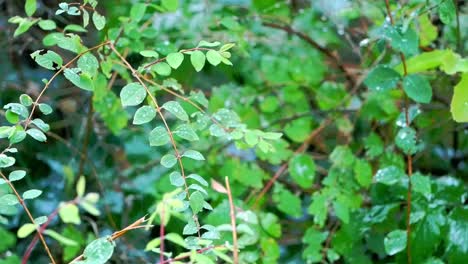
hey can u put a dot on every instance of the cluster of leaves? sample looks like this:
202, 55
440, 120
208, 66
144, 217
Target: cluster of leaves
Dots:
363, 174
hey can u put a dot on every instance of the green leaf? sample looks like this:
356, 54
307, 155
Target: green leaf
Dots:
11, 117
395, 242
69, 213
8, 199
363, 173
25, 230
16, 175
149, 54
75, 28
80, 80
170, 5
287, 202
26, 100
31, 194
24, 24
41, 124
176, 179
406, 140
198, 178
168, 160
81, 186
137, 11
60, 238
108, 105
213, 57
197, 58
144, 115
421, 184
389, 175
98, 20
18, 109
190, 228
428, 32
88, 64
193, 154
90, 208
47, 24
132, 94
176, 109
330, 95
175, 59
186, 132
99, 251
37, 134
459, 104
45, 109
447, 11
382, 78
6, 131
417, 88
6, 161
162, 69
196, 202
299, 129
204, 43
406, 42
313, 239
302, 170
341, 211
50, 60
158, 136
30, 7
457, 236
18, 136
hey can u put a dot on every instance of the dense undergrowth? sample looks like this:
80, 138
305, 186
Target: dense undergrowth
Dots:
233, 131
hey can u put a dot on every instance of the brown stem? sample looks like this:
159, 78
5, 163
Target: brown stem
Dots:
232, 211
409, 158
31, 218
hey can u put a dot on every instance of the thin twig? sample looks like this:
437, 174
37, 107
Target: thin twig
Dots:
136, 225
232, 211
31, 218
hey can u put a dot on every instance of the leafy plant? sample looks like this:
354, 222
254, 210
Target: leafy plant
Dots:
261, 132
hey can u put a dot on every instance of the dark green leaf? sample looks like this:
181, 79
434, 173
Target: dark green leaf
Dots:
395, 242
382, 78
417, 88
